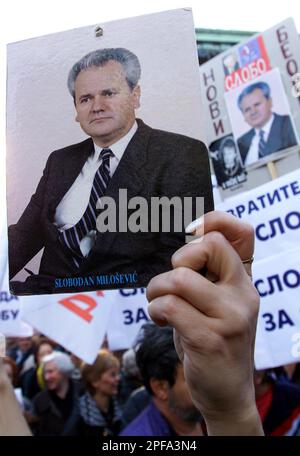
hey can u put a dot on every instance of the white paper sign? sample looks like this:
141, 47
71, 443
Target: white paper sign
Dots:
2, 345
278, 333
11, 324
273, 210
78, 322
129, 312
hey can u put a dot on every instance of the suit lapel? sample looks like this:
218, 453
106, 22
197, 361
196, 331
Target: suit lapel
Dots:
245, 142
129, 176
274, 139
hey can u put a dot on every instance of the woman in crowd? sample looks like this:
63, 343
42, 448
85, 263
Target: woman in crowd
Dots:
99, 411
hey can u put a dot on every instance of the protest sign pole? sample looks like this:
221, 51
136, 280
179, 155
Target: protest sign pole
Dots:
272, 170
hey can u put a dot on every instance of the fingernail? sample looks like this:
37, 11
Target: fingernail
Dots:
2, 346
194, 225
160, 320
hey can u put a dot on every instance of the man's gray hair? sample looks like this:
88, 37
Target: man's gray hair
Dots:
100, 57
61, 360
129, 364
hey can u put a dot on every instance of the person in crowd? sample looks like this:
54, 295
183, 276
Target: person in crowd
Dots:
11, 369
138, 400
12, 420
171, 411
23, 354
77, 362
130, 376
100, 413
25, 404
278, 403
289, 372
56, 407
33, 381
270, 132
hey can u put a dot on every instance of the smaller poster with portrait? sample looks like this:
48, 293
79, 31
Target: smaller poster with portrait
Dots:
249, 95
227, 162
260, 117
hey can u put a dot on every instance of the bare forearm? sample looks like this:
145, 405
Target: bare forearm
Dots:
12, 421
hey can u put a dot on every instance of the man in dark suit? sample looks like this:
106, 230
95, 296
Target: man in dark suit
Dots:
270, 132
121, 153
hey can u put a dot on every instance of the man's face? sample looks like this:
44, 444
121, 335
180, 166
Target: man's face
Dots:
229, 156
180, 401
104, 103
24, 344
44, 349
256, 108
53, 377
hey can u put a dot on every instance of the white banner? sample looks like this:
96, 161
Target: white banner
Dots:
273, 210
78, 322
11, 324
129, 312
278, 333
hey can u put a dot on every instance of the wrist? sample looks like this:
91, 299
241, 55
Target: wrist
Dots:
244, 422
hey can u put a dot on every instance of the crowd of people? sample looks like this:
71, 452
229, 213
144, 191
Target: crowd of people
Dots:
138, 392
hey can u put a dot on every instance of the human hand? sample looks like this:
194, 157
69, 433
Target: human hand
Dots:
215, 323
12, 421
239, 233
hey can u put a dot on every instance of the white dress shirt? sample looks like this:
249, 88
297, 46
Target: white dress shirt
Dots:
74, 203
252, 155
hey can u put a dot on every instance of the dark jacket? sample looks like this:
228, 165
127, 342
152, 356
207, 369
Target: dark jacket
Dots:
155, 163
281, 137
283, 415
149, 423
50, 420
93, 422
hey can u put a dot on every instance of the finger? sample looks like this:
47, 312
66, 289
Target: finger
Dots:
240, 234
219, 257
214, 252
186, 284
179, 314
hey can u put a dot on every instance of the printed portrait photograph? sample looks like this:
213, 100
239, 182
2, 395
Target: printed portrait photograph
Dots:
261, 119
105, 160
227, 162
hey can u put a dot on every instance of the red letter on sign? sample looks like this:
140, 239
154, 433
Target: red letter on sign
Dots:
83, 299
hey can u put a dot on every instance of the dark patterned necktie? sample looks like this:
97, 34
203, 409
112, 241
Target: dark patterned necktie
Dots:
262, 145
72, 237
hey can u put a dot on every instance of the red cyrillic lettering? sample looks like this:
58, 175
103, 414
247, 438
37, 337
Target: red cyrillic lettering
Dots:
89, 302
